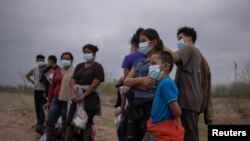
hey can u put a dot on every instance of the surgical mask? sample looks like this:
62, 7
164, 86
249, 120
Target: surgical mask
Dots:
88, 57
144, 48
40, 63
65, 63
180, 43
155, 72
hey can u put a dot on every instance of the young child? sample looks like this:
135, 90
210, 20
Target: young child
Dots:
164, 123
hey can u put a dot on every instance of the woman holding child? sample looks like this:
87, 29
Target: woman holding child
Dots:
143, 87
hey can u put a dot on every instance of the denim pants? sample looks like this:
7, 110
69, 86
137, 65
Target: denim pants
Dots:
136, 127
57, 108
122, 129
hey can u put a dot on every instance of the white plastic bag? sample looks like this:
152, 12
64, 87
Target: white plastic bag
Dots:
117, 119
43, 138
80, 118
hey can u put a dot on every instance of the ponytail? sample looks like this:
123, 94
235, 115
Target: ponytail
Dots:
159, 45
153, 34
136, 37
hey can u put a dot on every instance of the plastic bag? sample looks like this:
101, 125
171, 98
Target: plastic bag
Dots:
93, 135
80, 118
149, 137
117, 119
43, 138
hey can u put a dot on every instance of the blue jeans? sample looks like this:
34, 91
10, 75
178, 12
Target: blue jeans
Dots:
57, 108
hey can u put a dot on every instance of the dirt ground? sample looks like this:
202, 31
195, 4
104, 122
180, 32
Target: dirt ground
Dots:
17, 116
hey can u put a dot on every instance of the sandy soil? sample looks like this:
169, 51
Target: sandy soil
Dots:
17, 116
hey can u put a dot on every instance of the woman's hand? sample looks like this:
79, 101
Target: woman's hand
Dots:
80, 99
118, 111
147, 82
73, 96
46, 106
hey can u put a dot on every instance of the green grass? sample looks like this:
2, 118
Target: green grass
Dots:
238, 90
202, 130
108, 87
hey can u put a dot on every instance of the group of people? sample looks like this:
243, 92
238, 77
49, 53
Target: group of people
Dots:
151, 105
56, 88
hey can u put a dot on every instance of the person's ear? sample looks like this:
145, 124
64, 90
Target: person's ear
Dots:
189, 39
165, 67
153, 43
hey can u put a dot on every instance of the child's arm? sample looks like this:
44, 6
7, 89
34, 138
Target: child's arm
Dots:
142, 83
176, 110
179, 120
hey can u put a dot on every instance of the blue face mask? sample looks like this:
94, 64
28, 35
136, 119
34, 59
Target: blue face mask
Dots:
155, 72
65, 63
88, 57
180, 43
144, 48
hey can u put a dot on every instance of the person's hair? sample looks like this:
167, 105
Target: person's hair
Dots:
166, 57
91, 47
188, 31
67, 53
136, 37
152, 34
52, 58
39, 56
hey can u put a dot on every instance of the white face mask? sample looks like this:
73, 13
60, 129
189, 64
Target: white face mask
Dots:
180, 43
65, 63
144, 48
88, 57
155, 72
41, 63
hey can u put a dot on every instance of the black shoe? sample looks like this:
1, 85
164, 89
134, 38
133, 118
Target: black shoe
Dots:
40, 130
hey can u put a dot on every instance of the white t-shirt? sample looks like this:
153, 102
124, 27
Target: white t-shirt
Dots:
36, 73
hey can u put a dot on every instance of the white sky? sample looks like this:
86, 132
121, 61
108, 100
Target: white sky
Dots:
29, 27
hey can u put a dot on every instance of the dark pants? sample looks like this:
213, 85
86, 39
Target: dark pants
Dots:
189, 120
57, 108
84, 135
136, 127
122, 129
39, 100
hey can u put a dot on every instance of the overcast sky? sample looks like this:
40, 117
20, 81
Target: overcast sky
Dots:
29, 27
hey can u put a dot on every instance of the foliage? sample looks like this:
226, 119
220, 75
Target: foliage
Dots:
17, 89
239, 90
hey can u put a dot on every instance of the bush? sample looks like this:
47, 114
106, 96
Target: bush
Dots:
108, 87
239, 90
16, 89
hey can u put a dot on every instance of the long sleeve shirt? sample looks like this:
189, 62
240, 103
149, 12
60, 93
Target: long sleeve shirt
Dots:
55, 86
